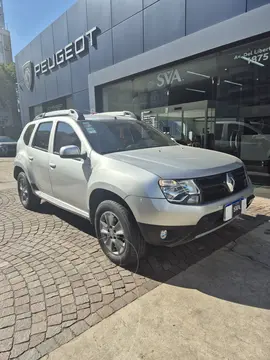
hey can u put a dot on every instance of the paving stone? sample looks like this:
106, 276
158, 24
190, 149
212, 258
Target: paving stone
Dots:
81, 299
7, 311
21, 336
18, 349
55, 319
4, 355
36, 339
35, 308
65, 291
22, 300
83, 313
80, 291
94, 290
39, 327
7, 321
24, 315
36, 291
23, 324
7, 303
93, 319
119, 292
6, 333
53, 330
39, 316
37, 298
105, 311
32, 354
21, 292
118, 304
95, 298
69, 309
79, 327
107, 299
68, 299
6, 345
64, 337
96, 306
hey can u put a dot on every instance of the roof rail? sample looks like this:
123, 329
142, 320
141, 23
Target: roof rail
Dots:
74, 114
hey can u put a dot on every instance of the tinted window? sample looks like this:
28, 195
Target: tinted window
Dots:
42, 136
123, 135
64, 136
28, 133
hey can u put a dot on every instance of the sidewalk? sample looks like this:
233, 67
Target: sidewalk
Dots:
216, 309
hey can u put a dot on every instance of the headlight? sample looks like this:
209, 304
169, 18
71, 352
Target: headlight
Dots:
181, 191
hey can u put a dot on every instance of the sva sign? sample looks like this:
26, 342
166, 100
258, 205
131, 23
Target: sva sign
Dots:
168, 78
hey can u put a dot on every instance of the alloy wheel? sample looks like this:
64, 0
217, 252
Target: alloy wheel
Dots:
112, 233
23, 190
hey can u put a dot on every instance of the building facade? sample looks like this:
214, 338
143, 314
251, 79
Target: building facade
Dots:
195, 69
5, 43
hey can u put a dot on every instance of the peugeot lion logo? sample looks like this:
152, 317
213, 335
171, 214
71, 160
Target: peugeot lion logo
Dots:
28, 75
230, 182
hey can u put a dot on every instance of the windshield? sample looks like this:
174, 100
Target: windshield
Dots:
6, 139
108, 136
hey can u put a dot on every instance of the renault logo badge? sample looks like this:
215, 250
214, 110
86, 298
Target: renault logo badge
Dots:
230, 182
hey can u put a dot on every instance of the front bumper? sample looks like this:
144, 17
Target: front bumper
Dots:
183, 223
177, 235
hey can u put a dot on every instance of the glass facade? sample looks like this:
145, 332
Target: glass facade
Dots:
220, 101
53, 105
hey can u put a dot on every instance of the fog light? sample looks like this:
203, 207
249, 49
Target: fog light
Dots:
163, 234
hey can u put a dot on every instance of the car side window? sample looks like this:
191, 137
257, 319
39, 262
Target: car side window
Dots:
42, 136
65, 136
28, 133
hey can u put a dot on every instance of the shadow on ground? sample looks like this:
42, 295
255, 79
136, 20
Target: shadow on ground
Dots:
163, 263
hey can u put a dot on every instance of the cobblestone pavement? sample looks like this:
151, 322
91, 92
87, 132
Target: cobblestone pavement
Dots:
56, 283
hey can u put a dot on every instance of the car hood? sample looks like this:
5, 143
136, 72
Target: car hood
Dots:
179, 162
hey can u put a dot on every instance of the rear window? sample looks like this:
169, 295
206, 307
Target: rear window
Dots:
42, 136
28, 133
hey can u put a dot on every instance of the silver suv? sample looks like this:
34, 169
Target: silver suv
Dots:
134, 184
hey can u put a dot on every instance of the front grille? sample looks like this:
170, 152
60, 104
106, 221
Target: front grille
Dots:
214, 187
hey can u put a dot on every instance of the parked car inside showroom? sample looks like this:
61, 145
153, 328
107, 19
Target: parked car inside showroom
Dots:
135, 184
7, 146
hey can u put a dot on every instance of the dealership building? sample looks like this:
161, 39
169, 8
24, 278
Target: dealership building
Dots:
195, 68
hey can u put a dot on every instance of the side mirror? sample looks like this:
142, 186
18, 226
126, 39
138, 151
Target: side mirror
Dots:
71, 152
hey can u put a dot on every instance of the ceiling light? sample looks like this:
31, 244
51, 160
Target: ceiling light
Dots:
232, 82
194, 73
196, 90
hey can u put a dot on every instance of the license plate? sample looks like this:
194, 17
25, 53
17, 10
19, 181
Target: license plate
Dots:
234, 209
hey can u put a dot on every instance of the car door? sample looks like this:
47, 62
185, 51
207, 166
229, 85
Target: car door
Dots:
69, 177
38, 158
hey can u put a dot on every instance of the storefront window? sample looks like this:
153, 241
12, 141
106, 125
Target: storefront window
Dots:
220, 101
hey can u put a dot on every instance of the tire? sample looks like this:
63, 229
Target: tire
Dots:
28, 199
133, 245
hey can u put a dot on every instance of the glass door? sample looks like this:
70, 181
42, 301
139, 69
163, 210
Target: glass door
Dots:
191, 124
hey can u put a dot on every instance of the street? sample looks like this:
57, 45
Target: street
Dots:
56, 283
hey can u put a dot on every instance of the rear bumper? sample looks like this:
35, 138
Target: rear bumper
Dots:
177, 235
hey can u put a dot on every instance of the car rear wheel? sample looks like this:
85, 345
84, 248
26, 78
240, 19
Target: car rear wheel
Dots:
118, 233
28, 199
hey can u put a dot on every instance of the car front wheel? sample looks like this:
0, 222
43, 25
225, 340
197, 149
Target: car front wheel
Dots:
118, 233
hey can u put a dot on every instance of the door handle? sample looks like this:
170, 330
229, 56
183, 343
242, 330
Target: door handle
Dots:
53, 166
30, 158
